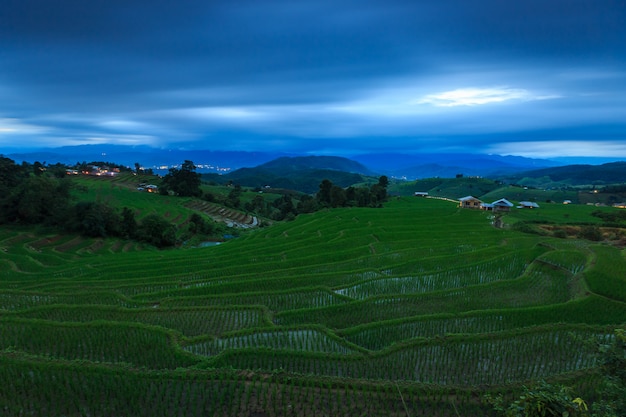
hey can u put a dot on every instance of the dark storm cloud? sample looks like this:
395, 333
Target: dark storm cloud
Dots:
312, 75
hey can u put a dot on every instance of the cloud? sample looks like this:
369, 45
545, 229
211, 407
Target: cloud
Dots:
561, 148
14, 126
479, 96
336, 74
120, 139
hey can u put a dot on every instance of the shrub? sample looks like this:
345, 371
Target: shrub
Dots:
590, 233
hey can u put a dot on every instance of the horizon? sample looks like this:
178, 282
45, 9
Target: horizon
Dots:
535, 79
173, 157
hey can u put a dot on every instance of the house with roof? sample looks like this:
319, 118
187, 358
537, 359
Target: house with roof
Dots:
528, 204
470, 202
502, 205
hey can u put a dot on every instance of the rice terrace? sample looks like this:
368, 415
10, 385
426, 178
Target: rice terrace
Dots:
416, 308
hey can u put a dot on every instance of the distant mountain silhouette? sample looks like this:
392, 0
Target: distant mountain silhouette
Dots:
288, 165
448, 165
580, 174
303, 173
393, 164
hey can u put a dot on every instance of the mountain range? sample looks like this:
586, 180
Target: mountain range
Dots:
304, 173
394, 164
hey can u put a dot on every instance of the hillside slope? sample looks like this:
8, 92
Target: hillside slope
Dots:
342, 312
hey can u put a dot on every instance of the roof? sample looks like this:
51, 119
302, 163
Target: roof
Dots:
528, 204
469, 197
503, 202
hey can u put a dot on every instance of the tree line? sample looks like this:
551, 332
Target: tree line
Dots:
186, 182
36, 194
290, 204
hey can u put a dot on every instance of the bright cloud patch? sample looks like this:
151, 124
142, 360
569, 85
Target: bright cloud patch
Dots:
569, 148
478, 96
17, 127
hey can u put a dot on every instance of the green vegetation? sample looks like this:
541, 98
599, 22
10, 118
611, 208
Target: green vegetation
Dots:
415, 308
103, 204
184, 181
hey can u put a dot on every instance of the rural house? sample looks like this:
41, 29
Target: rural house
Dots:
502, 205
528, 204
470, 202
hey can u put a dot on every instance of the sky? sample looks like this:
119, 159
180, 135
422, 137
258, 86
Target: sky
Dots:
534, 78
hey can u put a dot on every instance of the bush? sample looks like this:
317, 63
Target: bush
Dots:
540, 401
590, 233
560, 233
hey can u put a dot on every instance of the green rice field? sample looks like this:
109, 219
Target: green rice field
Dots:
418, 308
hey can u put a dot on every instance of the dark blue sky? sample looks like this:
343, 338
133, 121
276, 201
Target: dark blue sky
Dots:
533, 78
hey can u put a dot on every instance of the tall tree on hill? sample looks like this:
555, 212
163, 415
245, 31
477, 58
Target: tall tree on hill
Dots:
323, 195
337, 196
184, 182
379, 191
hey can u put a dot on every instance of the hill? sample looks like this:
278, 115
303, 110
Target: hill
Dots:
427, 165
303, 174
452, 188
573, 175
285, 166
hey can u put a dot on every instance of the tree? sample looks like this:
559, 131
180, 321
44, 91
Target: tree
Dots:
11, 175
323, 195
379, 191
257, 205
233, 197
184, 182
129, 225
57, 170
39, 168
95, 219
337, 196
198, 225
307, 204
157, 231
285, 207
38, 199
363, 197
